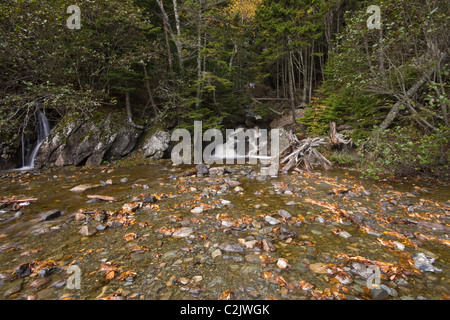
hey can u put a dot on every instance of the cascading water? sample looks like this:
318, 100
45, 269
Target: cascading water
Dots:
43, 129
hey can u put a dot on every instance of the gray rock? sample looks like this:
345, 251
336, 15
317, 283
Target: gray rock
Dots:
202, 169
424, 263
149, 199
379, 293
23, 270
93, 201
88, 230
217, 171
284, 214
156, 144
50, 215
344, 234
230, 247
320, 219
271, 220
183, 232
284, 234
78, 141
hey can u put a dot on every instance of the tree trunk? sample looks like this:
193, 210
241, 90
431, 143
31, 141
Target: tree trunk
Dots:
199, 62
166, 27
177, 40
291, 87
150, 95
130, 112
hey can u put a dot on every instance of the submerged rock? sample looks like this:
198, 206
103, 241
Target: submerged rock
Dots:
424, 263
284, 214
271, 220
88, 231
230, 247
183, 232
50, 215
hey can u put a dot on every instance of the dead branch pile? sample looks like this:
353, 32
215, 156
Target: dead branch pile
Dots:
305, 152
337, 138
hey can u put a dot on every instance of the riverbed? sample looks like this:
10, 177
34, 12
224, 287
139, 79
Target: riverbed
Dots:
232, 234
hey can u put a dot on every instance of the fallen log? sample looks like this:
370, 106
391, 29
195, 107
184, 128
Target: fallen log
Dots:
186, 173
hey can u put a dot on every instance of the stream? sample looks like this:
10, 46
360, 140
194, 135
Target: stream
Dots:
231, 234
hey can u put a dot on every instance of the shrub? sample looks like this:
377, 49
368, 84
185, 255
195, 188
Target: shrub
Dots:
406, 151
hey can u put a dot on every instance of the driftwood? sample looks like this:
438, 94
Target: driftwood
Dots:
337, 138
187, 173
305, 152
17, 200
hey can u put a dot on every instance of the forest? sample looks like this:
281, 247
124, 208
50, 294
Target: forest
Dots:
167, 64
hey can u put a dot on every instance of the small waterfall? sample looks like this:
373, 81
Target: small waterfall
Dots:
42, 130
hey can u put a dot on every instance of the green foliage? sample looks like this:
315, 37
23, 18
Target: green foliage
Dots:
405, 151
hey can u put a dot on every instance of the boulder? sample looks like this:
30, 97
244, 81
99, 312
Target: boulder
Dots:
156, 144
75, 141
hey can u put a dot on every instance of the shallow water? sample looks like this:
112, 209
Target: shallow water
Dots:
163, 267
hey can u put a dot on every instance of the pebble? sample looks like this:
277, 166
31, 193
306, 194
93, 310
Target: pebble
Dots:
320, 219
84, 187
271, 220
197, 210
282, 263
319, 268
284, 214
225, 202
379, 293
267, 246
183, 232
230, 247
344, 234
216, 253
228, 223
88, 230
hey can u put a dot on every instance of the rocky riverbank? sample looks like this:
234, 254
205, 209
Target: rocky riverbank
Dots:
228, 233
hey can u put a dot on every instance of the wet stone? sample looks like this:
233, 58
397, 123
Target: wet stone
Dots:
23, 270
88, 231
271, 220
379, 293
50, 215
230, 247
183, 232
284, 214
93, 201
